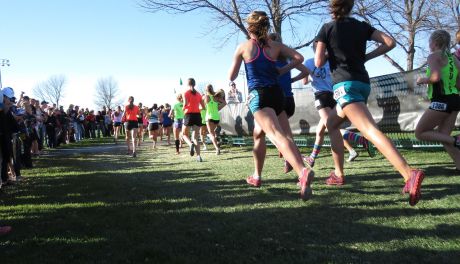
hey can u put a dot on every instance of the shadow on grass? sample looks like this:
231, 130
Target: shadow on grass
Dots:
135, 211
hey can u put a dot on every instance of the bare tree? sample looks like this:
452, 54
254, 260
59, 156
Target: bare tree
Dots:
407, 21
51, 90
230, 15
447, 15
106, 92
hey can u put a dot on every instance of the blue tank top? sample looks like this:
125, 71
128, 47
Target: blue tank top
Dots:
261, 71
153, 119
166, 119
285, 80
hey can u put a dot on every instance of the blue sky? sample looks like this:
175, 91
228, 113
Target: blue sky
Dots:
89, 39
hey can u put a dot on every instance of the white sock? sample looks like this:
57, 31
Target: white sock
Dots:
256, 177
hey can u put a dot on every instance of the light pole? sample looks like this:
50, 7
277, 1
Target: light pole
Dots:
3, 62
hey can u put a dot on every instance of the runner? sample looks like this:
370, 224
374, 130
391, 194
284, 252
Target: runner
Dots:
178, 115
203, 128
154, 117
131, 114
192, 118
266, 99
443, 82
116, 118
140, 121
213, 102
167, 122
352, 88
324, 102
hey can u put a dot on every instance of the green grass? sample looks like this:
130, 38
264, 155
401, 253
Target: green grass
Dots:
163, 208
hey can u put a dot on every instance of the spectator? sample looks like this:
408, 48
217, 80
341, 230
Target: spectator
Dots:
234, 96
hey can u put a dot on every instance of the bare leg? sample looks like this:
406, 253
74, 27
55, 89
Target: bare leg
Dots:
360, 116
212, 133
259, 151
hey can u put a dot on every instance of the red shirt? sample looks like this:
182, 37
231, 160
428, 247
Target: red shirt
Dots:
131, 114
192, 102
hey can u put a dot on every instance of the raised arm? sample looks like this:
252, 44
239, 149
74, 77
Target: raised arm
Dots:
296, 58
236, 63
387, 43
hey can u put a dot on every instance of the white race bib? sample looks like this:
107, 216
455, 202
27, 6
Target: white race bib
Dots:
339, 92
438, 106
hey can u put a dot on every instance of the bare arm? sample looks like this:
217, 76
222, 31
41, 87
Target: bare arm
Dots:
320, 54
303, 75
236, 64
296, 58
435, 71
387, 44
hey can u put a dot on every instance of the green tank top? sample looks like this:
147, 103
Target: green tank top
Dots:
178, 112
448, 83
203, 116
212, 109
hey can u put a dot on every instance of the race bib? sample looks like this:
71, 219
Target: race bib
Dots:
438, 106
339, 92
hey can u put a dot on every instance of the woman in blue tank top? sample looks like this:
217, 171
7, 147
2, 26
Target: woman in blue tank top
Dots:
266, 99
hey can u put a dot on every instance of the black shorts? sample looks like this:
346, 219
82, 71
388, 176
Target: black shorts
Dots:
445, 103
117, 124
324, 99
192, 119
167, 125
214, 121
154, 126
289, 106
272, 97
130, 125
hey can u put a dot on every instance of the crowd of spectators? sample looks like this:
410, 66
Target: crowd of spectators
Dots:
28, 125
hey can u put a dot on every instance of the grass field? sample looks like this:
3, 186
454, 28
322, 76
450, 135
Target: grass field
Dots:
101, 206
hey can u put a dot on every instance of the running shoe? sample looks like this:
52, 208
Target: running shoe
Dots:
218, 151
352, 156
369, 147
192, 149
309, 160
204, 147
254, 182
457, 141
199, 159
5, 230
134, 154
414, 184
287, 167
334, 180
305, 183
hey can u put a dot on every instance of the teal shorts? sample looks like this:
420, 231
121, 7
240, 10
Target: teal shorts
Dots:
351, 92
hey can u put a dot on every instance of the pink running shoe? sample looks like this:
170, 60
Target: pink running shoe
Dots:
254, 182
334, 180
414, 185
287, 167
309, 160
305, 184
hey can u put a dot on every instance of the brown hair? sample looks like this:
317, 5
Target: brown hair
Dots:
210, 90
441, 38
192, 83
131, 102
259, 25
340, 8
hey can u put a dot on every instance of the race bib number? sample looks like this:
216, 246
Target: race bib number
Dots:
438, 106
339, 92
